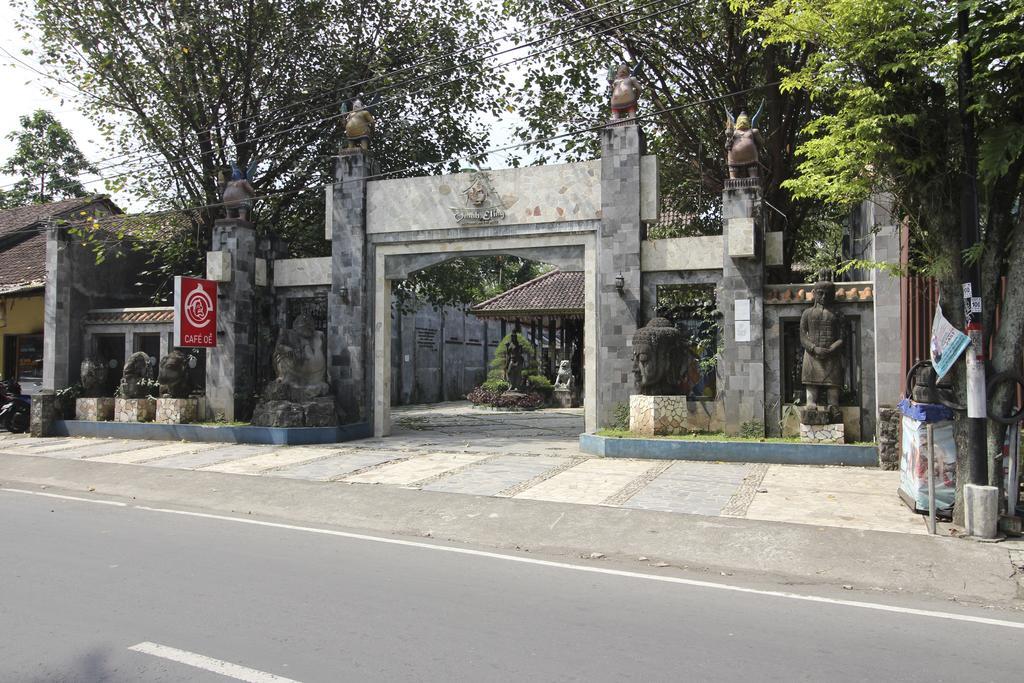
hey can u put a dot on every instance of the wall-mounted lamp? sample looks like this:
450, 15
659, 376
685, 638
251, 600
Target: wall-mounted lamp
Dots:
620, 283
343, 293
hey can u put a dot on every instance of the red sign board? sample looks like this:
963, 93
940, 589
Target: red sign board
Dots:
195, 312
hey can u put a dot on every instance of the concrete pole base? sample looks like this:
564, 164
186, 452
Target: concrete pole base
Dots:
981, 510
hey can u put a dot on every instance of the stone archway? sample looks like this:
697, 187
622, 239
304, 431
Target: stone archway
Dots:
584, 217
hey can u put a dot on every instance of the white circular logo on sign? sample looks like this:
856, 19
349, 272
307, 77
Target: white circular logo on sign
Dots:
198, 307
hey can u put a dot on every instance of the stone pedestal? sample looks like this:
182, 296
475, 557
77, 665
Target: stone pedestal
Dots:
176, 410
94, 409
134, 409
317, 412
657, 415
565, 398
827, 433
42, 413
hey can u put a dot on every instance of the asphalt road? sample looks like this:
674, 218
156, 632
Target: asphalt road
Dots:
81, 583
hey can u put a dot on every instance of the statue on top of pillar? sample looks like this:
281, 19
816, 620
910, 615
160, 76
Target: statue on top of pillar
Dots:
359, 126
624, 92
239, 192
821, 335
743, 144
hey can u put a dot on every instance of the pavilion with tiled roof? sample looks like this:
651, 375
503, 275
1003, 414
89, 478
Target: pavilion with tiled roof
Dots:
549, 310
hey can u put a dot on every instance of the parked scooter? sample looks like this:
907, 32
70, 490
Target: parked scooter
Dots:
14, 411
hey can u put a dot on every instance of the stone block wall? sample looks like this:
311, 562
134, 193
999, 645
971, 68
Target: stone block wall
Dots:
349, 302
617, 253
231, 368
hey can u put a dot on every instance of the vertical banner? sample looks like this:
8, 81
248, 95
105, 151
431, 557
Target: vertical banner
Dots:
195, 312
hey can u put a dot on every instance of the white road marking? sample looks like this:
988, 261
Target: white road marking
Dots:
951, 616
217, 666
57, 495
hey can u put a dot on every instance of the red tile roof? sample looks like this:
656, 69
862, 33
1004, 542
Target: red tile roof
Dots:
155, 314
23, 266
552, 294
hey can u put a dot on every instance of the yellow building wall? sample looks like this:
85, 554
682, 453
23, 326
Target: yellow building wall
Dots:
24, 316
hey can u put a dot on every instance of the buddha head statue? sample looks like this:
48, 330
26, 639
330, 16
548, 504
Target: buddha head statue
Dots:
658, 358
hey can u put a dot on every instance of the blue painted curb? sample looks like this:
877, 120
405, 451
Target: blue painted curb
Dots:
730, 451
278, 436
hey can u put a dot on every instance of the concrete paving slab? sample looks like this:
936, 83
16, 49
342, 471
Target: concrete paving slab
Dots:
149, 452
209, 456
50, 445
268, 461
416, 469
691, 488
99, 447
853, 498
335, 466
591, 482
491, 477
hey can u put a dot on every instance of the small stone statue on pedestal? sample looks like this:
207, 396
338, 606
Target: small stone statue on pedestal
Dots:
565, 393
743, 144
658, 357
624, 93
239, 192
821, 335
94, 377
173, 375
359, 126
300, 396
132, 385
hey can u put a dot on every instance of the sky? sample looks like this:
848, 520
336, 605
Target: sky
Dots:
25, 91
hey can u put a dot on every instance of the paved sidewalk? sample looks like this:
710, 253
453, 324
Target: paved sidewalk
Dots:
455, 448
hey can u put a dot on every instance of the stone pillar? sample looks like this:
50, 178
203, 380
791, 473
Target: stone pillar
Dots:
741, 301
42, 413
617, 253
888, 375
347, 306
57, 328
230, 367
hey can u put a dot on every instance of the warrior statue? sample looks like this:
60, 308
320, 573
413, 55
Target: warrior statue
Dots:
821, 335
658, 355
239, 192
359, 126
300, 361
743, 144
515, 365
624, 91
173, 375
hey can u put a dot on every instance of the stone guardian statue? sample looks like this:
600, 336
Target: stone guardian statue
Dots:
359, 126
173, 375
239, 192
515, 365
743, 144
821, 335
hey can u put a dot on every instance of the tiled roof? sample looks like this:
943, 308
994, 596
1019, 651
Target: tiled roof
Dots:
149, 226
554, 293
23, 264
30, 214
154, 314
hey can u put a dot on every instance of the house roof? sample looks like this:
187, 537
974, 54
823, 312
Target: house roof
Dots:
555, 293
114, 316
23, 254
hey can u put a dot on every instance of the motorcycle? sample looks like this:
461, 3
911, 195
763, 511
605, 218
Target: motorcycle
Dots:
14, 411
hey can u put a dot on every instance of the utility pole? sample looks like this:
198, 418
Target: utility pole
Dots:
969, 236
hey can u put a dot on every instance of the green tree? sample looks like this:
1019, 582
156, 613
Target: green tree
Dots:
185, 87
887, 71
691, 58
46, 161
465, 281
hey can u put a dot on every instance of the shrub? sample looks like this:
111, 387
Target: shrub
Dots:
540, 383
496, 385
754, 429
498, 399
620, 417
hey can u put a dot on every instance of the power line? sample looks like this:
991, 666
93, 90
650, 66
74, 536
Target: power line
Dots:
450, 82
470, 158
354, 84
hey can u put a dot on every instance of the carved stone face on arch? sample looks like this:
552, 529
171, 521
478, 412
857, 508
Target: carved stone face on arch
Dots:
658, 358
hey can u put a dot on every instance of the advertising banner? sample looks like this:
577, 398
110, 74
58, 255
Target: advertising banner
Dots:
947, 343
195, 312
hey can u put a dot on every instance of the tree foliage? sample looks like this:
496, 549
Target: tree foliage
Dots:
887, 73
183, 88
463, 282
46, 160
695, 61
